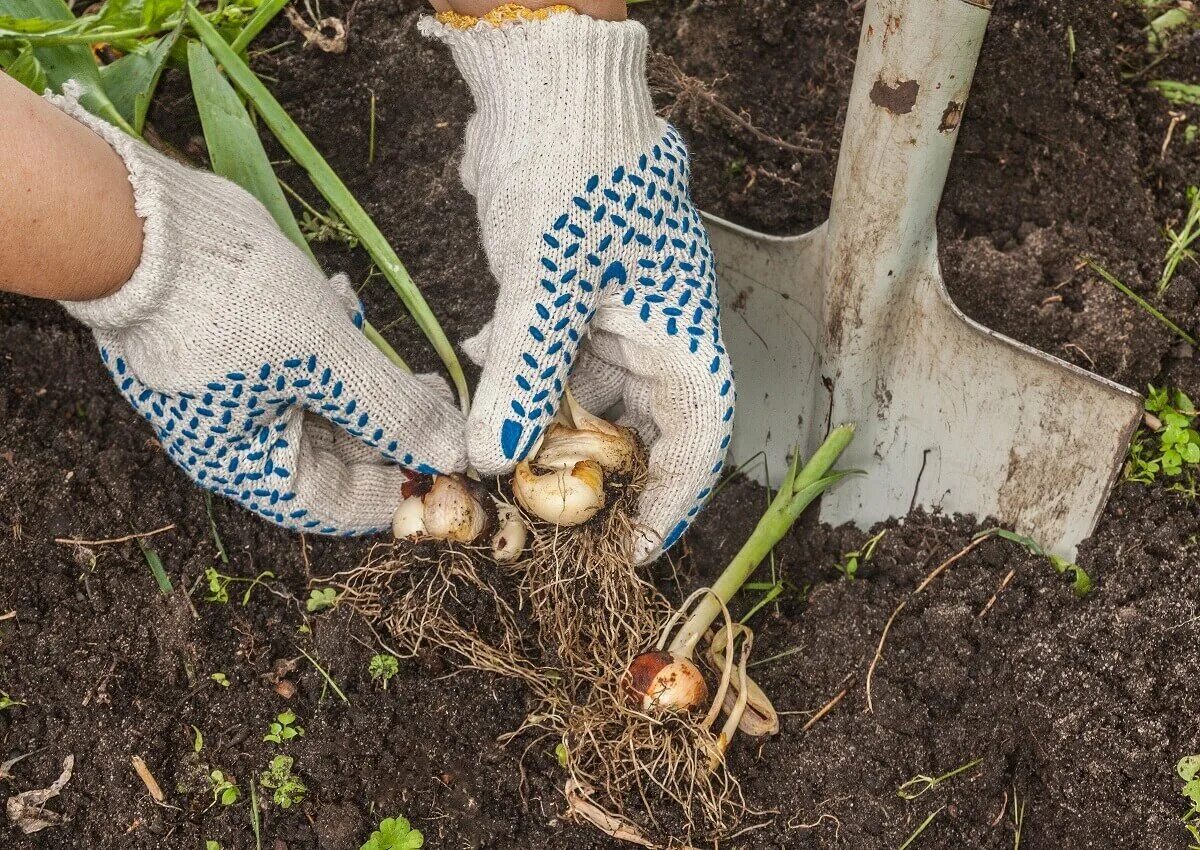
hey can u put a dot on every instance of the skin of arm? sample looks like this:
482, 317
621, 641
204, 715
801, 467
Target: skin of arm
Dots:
66, 206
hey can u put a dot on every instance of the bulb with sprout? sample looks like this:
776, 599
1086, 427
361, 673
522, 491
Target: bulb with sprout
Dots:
644, 751
579, 490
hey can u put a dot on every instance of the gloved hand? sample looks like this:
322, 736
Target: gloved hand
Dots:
243, 357
604, 266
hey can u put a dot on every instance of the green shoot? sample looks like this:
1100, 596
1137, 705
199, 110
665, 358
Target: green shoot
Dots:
221, 679
1181, 94
321, 598
395, 834
1070, 46
1177, 453
212, 528
1180, 243
254, 819
7, 702
334, 191
1081, 582
919, 784
1018, 817
278, 778
224, 790
382, 668
925, 823
156, 568
284, 728
218, 585
211, 845
1111, 279
1188, 769
328, 678
797, 492
371, 134
851, 560
197, 740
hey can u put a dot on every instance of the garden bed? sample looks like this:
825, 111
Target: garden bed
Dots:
1078, 708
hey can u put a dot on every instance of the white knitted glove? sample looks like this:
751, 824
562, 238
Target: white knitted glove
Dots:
603, 263
240, 353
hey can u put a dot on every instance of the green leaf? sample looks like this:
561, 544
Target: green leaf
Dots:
395, 834
11, 24
1177, 92
68, 62
26, 69
262, 16
132, 80
335, 192
1188, 768
234, 148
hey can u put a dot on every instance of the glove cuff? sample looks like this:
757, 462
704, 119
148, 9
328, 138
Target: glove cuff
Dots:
575, 79
190, 225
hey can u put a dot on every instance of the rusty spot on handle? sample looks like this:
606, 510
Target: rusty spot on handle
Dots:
951, 117
897, 98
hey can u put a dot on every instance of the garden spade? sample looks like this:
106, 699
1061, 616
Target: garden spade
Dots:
852, 322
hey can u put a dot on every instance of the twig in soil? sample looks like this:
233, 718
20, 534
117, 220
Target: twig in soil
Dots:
668, 77
924, 584
1003, 584
71, 541
328, 678
920, 828
825, 709
7, 616
148, 779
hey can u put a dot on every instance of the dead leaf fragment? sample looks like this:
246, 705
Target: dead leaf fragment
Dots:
147, 778
27, 812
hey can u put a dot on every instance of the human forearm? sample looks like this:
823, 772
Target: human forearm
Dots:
66, 206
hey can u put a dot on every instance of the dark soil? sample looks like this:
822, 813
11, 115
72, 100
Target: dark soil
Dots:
1078, 708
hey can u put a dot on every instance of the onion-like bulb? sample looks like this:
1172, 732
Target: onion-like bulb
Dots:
564, 496
449, 509
660, 680
509, 541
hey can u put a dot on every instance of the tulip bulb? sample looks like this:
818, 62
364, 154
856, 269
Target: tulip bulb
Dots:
564, 496
446, 510
509, 541
564, 446
661, 680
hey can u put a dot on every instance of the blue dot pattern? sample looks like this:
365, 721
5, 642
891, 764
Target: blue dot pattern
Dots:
642, 210
233, 437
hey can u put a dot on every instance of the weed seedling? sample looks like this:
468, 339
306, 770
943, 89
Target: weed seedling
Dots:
8, 702
284, 728
1177, 454
1081, 582
218, 585
321, 598
211, 845
851, 560
1179, 243
395, 834
383, 667
221, 679
1188, 769
224, 790
286, 787
919, 784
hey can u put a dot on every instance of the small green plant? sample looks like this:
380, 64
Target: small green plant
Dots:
383, 667
919, 784
321, 598
284, 728
1179, 243
851, 560
218, 585
8, 702
395, 834
1188, 769
221, 679
211, 845
1170, 445
224, 789
1081, 582
286, 787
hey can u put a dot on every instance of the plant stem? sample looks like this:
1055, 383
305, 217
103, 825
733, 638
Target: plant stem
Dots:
1110, 278
796, 493
335, 192
328, 678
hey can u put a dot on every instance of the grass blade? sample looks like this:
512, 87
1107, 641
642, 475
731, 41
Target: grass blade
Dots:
68, 62
1112, 280
132, 80
156, 567
335, 192
262, 16
233, 144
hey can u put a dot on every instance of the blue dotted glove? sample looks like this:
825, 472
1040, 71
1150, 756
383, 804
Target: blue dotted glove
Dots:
605, 271
249, 364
